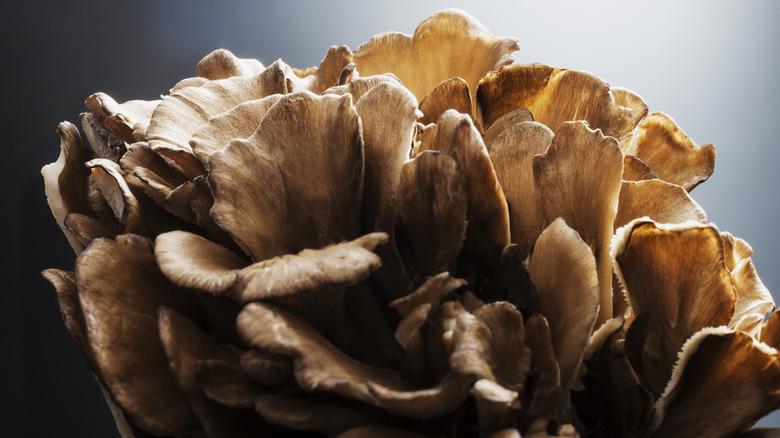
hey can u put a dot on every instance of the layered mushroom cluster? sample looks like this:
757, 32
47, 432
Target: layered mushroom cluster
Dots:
419, 238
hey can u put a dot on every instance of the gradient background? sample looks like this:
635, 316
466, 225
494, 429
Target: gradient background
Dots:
713, 66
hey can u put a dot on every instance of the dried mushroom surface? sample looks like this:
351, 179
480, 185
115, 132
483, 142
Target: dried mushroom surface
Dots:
420, 238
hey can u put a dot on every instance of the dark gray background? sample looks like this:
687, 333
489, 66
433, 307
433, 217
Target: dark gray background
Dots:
712, 66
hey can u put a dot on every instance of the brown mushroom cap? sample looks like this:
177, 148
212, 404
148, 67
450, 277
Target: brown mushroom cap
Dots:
490, 344
512, 153
339, 265
452, 94
319, 366
120, 290
432, 207
297, 182
569, 301
677, 284
635, 169
185, 345
388, 113
189, 260
553, 96
433, 54
754, 301
579, 179
488, 214
723, 373
241, 121
223, 64
508, 120
119, 120
65, 181
628, 99
658, 200
112, 186
659, 142
177, 117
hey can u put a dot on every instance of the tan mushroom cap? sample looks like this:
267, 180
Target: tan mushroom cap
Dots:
189, 260
223, 64
111, 184
177, 117
490, 344
185, 345
677, 283
327, 75
553, 96
579, 179
297, 182
434, 53
431, 207
770, 331
563, 269
158, 176
120, 290
508, 120
497, 407
449, 94
628, 99
358, 86
240, 121
720, 373
754, 300
659, 142
319, 366
488, 214
338, 265
659, 201
388, 113
120, 118
65, 181
431, 292
512, 153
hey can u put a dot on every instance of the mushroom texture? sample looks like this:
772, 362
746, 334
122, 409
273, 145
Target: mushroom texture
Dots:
417, 238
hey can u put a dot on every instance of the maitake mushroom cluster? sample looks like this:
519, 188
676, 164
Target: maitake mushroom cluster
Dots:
419, 238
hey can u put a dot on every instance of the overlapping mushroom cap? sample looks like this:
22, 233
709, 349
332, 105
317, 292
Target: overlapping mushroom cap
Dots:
417, 238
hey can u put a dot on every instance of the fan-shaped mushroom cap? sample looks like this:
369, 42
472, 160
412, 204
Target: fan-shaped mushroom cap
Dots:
450, 94
65, 181
223, 64
512, 153
754, 301
553, 96
720, 371
297, 182
120, 290
321, 367
432, 207
660, 143
677, 283
432, 55
658, 200
569, 301
579, 179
